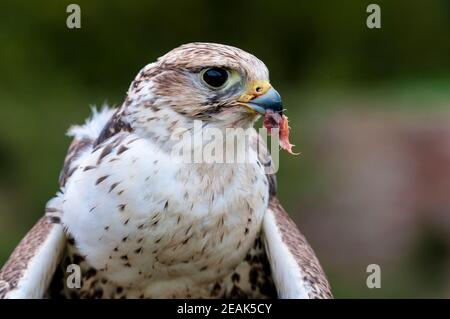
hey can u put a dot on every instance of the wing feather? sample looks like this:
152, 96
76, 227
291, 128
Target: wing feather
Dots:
30, 268
295, 268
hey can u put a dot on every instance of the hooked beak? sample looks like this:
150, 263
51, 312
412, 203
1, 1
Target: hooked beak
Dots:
262, 97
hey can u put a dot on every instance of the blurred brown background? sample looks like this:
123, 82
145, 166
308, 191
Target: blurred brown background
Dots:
369, 110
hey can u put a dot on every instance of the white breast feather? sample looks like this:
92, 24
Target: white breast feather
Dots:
163, 218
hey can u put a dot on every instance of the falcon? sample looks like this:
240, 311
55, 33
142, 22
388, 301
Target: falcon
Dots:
133, 221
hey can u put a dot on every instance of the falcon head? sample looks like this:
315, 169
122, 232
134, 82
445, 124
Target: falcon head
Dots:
221, 85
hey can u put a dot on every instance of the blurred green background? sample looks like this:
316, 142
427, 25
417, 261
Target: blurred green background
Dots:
369, 110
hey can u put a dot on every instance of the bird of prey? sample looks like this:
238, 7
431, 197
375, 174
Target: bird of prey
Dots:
133, 222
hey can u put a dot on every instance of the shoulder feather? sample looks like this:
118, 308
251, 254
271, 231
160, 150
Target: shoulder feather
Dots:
84, 138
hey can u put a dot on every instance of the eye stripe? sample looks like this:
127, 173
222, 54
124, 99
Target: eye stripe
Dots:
219, 95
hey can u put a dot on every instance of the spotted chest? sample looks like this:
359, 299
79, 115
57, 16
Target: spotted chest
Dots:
144, 220
250, 279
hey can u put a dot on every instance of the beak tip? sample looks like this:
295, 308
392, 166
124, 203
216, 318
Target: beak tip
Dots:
270, 100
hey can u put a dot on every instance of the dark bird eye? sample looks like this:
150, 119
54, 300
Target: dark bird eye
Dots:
215, 77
